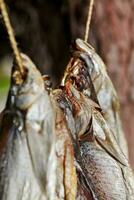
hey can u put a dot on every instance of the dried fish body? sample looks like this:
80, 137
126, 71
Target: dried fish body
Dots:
27, 133
110, 104
104, 87
66, 183
115, 152
83, 189
104, 171
100, 135
86, 57
87, 115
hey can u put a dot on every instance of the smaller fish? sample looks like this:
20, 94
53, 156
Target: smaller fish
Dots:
84, 191
66, 183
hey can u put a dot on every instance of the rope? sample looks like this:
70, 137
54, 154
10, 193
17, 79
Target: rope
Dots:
90, 11
11, 36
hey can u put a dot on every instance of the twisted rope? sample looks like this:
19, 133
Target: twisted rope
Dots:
90, 11
11, 35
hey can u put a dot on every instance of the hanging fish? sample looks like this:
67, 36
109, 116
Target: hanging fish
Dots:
66, 182
78, 75
86, 111
101, 159
27, 139
84, 189
86, 61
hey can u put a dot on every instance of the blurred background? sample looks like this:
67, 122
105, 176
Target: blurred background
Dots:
44, 30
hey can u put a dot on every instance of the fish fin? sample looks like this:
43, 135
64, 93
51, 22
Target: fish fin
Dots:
105, 138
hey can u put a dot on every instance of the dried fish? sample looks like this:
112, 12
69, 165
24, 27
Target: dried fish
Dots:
104, 171
63, 143
85, 111
27, 148
99, 82
38, 147
101, 160
83, 188
66, 183
78, 77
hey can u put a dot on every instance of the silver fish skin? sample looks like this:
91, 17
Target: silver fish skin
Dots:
100, 135
87, 72
90, 72
110, 104
105, 91
28, 163
104, 171
86, 116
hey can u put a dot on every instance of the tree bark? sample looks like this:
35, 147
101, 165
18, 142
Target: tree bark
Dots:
114, 25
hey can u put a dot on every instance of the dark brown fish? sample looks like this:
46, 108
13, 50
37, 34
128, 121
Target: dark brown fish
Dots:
84, 189
66, 182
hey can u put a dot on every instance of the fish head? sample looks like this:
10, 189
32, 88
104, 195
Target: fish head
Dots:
30, 88
82, 71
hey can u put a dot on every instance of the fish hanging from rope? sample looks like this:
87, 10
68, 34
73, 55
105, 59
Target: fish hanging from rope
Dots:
27, 139
78, 78
96, 183
35, 146
103, 91
66, 182
56, 143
